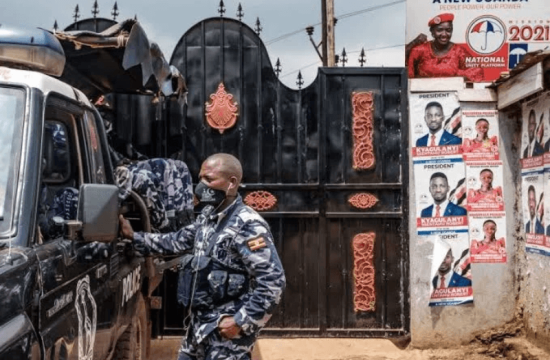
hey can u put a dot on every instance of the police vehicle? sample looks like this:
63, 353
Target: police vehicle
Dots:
69, 287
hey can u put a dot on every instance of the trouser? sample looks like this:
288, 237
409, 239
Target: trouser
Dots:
214, 347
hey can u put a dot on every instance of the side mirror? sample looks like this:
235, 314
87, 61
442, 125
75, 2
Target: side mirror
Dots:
97, 218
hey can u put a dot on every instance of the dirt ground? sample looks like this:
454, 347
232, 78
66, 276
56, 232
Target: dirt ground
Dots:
517, 348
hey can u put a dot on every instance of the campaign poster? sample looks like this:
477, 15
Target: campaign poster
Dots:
473, 39
451, 275
544, 108
533, 211
532, 133
484, 183
487, 237
547, 210
480, 137
440, 194
436, 124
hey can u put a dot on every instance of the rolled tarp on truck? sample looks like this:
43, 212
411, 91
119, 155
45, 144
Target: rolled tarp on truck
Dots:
120, 59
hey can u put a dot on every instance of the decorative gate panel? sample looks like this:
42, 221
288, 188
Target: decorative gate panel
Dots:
323, 164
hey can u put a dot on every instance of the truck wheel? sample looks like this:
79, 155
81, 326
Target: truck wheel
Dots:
133, 343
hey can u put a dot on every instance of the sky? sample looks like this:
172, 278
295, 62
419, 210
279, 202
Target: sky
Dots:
378, 26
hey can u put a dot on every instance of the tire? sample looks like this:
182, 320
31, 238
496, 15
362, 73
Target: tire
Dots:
134, 342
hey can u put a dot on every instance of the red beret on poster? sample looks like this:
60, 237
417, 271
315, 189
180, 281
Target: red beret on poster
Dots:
441, 18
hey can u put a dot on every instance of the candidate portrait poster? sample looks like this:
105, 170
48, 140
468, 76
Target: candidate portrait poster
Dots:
440, 194
533, 211
436, 124
451, 276
480, 136
487, 237
484, 39
546, 217
484, 183
544, 108
532, 133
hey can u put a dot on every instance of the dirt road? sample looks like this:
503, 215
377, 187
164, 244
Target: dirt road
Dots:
517, 348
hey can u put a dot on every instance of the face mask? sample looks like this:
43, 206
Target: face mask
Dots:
209, 196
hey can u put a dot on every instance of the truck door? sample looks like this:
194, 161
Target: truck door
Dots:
76, 305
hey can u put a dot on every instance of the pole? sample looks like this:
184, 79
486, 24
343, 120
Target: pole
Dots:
330, 33
324, 31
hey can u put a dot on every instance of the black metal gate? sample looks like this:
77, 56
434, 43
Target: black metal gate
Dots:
299, 147
305, 148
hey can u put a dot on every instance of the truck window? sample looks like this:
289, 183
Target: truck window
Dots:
12, 110
96, 153
61, 170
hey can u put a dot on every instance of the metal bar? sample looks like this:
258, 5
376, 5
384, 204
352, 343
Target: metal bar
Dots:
322, 233
315, 186
203, 92
376, 186
280, 250
384, 271
380, 170
404, 233
185, 107
298, 137
344, 130
357, 215
222, 69
279, 154
301, 317
242, 112
342, 273
291, 214
259, 107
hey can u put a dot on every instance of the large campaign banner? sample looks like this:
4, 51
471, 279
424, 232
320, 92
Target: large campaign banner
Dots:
436, 124
473, 39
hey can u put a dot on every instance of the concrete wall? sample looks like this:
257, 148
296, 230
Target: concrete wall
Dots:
533, 270
494, 285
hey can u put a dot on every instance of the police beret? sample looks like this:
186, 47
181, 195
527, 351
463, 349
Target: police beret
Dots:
441, 18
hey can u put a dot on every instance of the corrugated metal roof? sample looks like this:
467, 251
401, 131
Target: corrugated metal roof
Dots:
530, 59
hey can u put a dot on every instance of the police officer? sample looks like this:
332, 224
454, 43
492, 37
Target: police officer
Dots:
233, 277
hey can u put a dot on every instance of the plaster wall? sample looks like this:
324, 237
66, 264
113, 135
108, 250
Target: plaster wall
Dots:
533, 304
493, 284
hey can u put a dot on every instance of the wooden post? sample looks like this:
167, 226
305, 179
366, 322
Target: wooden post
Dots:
330, 33
324, 31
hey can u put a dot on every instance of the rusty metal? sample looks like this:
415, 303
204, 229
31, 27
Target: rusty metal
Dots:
156, 302
221, 112
364, 297
261, 200
363, 200
363, 130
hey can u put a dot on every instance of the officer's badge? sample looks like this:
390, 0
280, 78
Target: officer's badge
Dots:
257, 243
